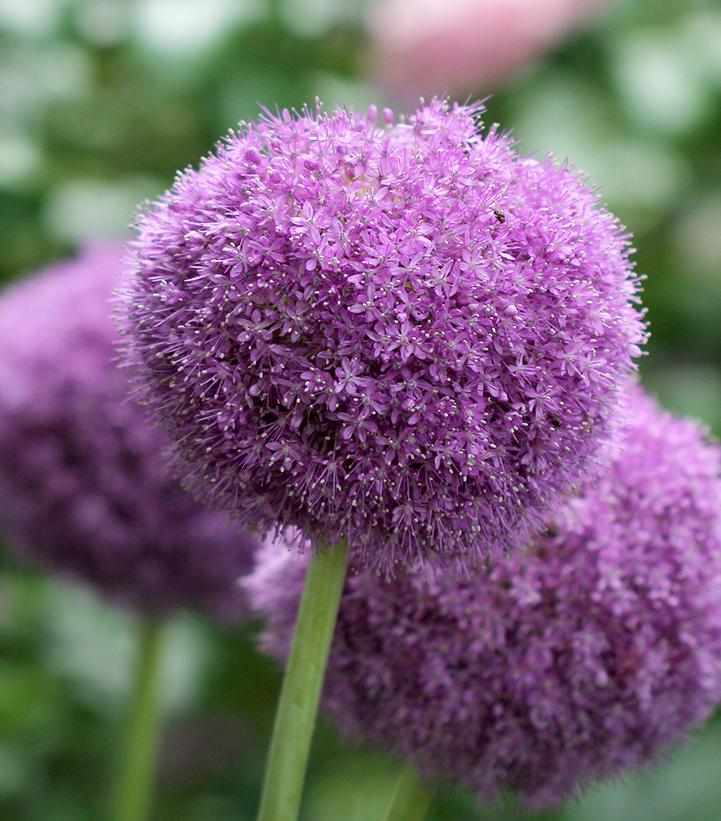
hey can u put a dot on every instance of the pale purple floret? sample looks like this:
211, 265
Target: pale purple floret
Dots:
408, 336
586, 656
83, 488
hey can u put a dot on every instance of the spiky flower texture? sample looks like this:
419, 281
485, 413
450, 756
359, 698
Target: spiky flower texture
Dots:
407, 336
83, 486
586, 656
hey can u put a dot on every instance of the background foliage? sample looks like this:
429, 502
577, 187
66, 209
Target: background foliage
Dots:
100, 102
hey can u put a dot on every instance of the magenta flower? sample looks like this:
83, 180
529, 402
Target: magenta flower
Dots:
586, 656
427, 47
83, 487
407, 336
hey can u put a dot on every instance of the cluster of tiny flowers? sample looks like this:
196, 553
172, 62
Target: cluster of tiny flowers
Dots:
406, 336
582, 658
83, 488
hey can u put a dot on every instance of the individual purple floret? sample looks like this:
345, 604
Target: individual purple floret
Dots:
83, 488
407, 336
586, 656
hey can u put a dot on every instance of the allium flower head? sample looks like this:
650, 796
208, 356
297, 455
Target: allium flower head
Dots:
586, 656
424, 47
407, 336
83, 488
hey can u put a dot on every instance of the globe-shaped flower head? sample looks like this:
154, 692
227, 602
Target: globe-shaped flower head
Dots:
586, 656
406, 336
83, 487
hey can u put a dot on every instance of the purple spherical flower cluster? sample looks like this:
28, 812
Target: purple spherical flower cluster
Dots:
408, 336
83, 488
586, 656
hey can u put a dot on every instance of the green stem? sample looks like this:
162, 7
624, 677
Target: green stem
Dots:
411, 798
135, 775
300, 694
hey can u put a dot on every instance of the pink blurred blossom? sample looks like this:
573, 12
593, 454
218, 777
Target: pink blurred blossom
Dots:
436, 46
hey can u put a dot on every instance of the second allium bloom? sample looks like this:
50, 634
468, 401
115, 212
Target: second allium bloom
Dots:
587, 655
84, 490
408, 336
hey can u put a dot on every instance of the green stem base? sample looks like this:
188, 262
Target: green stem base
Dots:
411, 798
302, 684
135, 775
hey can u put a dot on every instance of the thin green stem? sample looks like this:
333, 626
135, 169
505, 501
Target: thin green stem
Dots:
300, 694
133, 789
411, 798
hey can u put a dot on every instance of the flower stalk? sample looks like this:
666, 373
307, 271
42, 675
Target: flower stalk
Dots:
412, 797
302, 684
133, 793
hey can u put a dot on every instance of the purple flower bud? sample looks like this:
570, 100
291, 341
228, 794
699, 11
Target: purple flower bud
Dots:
83, 487
432, 328
586, 656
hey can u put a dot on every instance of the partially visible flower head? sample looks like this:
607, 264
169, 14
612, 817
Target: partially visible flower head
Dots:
586, 656
428, 47
83, 488
406, 336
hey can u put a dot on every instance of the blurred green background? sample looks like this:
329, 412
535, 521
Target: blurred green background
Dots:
100, 102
